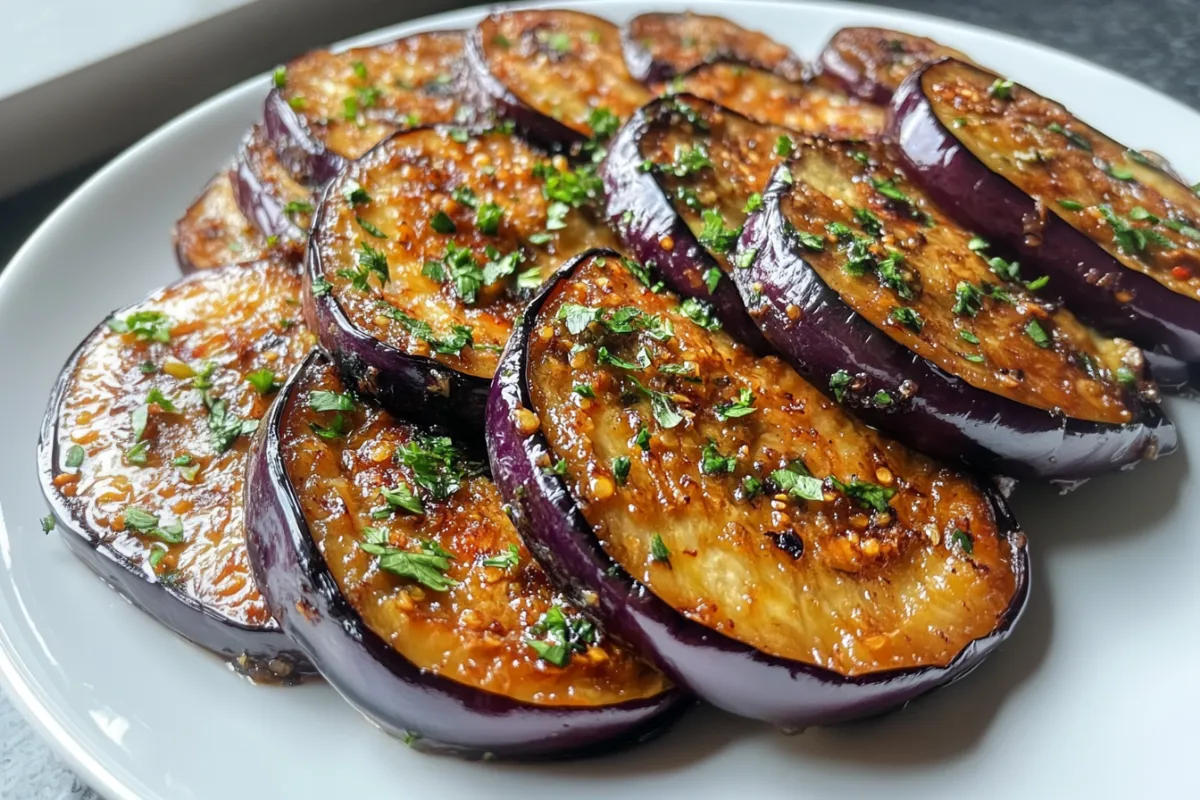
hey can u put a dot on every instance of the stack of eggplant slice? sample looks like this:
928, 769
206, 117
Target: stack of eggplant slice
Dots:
538, 378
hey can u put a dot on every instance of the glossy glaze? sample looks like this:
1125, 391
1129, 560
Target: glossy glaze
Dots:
659, 46
770, 99
267, 194
213, 231
328, 108
872, 62
728, 611
550, 71
447, 667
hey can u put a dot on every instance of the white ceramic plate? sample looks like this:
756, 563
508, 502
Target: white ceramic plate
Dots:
1093, 696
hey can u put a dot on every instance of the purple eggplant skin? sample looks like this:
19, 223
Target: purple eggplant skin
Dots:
939, 414
260, 204
304, 154
430, 712
492, 100
409, 386
1083, 274
727, 673
264, 654
641, 213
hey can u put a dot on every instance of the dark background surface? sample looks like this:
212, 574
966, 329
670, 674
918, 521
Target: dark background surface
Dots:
1153, 41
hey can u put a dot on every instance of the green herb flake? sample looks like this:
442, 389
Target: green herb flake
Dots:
968, 300
584, 390
642, 439
798, 483
147, 524
401, 496
811, 241
563, 636
753, 203
715, 235
437, 465
487, 218
741, 407
153, 326
1071, 136
279, 77
263, 381
603, 122
620, 468
712, 279
48, 523
969, 337
700, 313
963, 539
868, 495
506, 560
658, 549
713, 463
75, 456
1035, 331
441, 223
1071, 205
839, 382
908, 317
784, 146
1001, 89
426, 567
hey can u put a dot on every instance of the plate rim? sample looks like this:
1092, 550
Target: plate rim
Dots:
24, 690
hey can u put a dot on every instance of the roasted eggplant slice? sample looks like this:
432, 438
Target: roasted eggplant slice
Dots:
143, 448
660, 46
1118, 235
559, 75
680, 178
385, 553
214, 232
873, 293
425, 251
329, 108
267, 194
769, 552
767, 98
871, 63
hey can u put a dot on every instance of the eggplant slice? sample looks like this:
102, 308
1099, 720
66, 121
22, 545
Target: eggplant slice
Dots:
143, 447
559, 75
425, 251
871, 63
660, 46
772, 100
1118, 235
680, 178
214, 232
386, 555
329, 108
970, 363
766, 550
267, 194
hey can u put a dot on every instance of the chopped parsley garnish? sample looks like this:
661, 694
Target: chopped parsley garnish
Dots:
644, 273
557, 468
658, 549
1120, 172
1130, 239
360, 69
279, 77
625, 319
355, 194
1181, 227
442, 223
147, 524
689, 160
712, 278
839, 382
263, 380
465, 196
745, 258
487, 218
224, 426
713, 463
1001, 89
437, 465
812, 241
753, 203
700, 313
506, 560
153, 326
48, 523
460, 335
1037, 283
1036, 332
584, 390
499, 266
620, 468
796, 481
530, 278
321, 287
1126, 377
882, 399
427, 567
573, 187
75, 455
868, 221
562, 636
908, 317
968, 300
1071, 136
662, 405
784, 146
969, 337
741, 407
401, 496
187, 467
372, 260
294, 207
148, 368
370, 228
137, 453
869, 495
892, 275
458, 266
963, 540
1071, 205
642, 439
603, 356
321, 400
603, 122
715, 235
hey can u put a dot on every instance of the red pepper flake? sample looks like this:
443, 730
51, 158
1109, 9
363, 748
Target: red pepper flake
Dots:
1181, 273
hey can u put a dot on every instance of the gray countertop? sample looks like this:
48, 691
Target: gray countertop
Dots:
1152, 41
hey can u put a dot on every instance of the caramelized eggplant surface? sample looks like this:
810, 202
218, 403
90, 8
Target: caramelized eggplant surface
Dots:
267, 194
773, 100
425, 251
144, 446
438, 624
328, 108
872, 62
681, 178
1087, 192
974, 365
559, 75
659, 46
214, 232
797, 566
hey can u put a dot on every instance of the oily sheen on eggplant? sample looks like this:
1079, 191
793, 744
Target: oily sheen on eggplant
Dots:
279, 206
767, 98
213, 232
559, 75
871, 63
762, 547
330, 108
872, 293
1118, 235
678, 180
386, 555
423, 253
659, 46
142, 449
